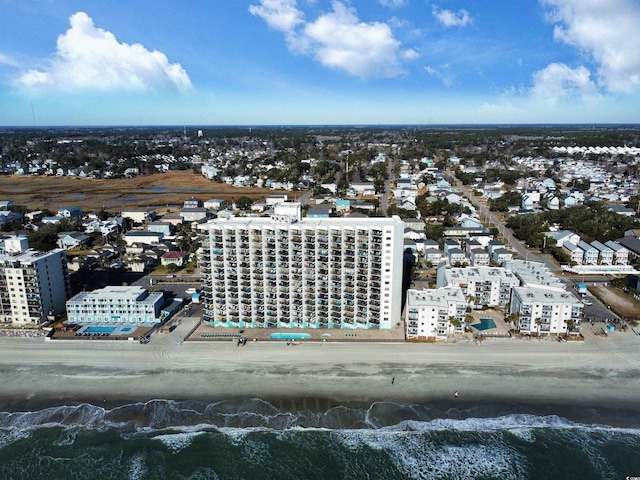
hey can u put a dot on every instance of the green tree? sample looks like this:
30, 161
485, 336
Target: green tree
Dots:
244, 203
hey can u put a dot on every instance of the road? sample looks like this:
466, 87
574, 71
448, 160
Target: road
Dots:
491, 219
384, 202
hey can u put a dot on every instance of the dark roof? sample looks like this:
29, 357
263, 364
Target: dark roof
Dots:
630, 243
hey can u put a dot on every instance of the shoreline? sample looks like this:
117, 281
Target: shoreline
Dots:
537, 376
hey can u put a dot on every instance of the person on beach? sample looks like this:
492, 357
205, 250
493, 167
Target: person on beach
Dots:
456, 394
393, 380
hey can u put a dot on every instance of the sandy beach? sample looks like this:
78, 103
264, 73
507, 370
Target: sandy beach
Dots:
600, 372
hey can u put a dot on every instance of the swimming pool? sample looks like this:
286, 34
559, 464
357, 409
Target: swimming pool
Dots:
94, 329
485, 324
289, 336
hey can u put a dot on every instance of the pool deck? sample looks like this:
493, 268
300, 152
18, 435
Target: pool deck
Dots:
205, 333
79, 334
501, 329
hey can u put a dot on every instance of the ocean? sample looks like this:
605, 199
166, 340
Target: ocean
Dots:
315, 439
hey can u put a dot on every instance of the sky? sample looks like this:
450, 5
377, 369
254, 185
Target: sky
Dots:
318, 62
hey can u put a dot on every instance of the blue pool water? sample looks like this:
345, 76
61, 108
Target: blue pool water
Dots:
485, 324
93, 329
126, 329
289, 336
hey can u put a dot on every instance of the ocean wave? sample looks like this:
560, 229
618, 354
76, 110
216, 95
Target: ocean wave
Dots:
236, 417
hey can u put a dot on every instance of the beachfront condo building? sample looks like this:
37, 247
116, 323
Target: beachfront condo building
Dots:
433, 315
543, 310
34, 285
482, 286
115, 306
289, 271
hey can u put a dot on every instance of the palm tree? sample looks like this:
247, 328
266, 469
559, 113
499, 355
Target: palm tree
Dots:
571, 324
454, 321
538, 323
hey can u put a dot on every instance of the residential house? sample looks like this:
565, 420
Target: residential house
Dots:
141, 236
470, 222
620, 253
501, 256
530, 200
51, 220
138, 215
479, 257
225, 214
449, 244
319, 212
563, 236
576, 254
174, 219
472, 245
7, 216
73, 240
194, 214
343, 205
215, 204
605, 253
162, 227
363, 188
622, 210
632, 244
174, 257
192, 202
275, 199
494, 245
70, 212
456, 256
590, 253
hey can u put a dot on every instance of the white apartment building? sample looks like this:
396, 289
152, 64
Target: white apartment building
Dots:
534, 274
544, 310
434, 314
287, 271
33, 284
490, 286
115, 305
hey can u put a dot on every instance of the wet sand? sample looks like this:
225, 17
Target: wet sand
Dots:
596, 373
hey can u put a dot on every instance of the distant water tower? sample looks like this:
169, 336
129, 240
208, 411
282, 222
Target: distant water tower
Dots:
199, 133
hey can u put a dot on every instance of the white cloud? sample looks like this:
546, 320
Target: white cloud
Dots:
449, 18
281, 15
607, 31
558, 81
7, 60
92, 58
337, 39
393, 3
442, 73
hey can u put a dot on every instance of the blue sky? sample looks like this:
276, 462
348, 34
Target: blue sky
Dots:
270, 62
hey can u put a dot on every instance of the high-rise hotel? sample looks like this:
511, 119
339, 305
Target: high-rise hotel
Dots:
287, 271
33, 284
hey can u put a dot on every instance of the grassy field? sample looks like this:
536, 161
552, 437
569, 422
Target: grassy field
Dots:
621, 303
161, 190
